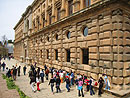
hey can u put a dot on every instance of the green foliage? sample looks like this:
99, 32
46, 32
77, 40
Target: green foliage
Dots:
11, 85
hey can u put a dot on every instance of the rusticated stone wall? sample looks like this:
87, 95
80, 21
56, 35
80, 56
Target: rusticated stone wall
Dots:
108, 41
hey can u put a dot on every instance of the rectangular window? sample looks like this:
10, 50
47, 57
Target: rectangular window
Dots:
38, 23
70, 7
43, 19
68, 55
41, 53
34, 24
58, 14
47, 54
50, 18
85, 56
56, 54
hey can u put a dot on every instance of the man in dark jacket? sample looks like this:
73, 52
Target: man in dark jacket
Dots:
58, 84
14, 73
3, 65
24, 69
67, 83
19, 70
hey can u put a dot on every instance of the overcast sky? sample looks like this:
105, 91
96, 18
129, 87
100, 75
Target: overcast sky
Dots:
10, 13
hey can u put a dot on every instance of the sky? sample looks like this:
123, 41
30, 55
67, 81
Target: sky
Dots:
10, 14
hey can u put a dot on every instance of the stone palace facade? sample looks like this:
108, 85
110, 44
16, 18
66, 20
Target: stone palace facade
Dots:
90, 37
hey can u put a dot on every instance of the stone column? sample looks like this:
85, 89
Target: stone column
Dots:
53, 11
63, 9
46, 14
76, 5
81, 4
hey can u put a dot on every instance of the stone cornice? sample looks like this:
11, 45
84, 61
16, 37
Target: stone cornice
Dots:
21, 19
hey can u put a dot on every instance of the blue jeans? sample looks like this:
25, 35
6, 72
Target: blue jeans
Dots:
107, 87
91, 90
67, 86
72, 81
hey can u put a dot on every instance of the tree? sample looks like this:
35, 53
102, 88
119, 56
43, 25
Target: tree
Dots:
4, 40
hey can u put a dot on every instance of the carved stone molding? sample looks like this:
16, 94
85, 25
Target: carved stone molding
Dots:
117, 12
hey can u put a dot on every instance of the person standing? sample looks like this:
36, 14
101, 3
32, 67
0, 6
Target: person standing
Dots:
3, 65
7, 71
58, 84
19, 70
24, 70
100, 81
0, 65
14, 73
42, 75
67, 83
52, 81
80, 87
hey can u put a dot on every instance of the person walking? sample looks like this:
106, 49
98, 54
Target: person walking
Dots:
52, 81
38, 82
100, 81
42, 75
87, 84
19, 70
24, 69
58, 84
107, 83
47, 72
32, 81
3, 65
67, 83
72, 78
80, 87
91, 86
45, 67
61, 76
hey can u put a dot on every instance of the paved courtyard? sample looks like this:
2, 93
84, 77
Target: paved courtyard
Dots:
24, 84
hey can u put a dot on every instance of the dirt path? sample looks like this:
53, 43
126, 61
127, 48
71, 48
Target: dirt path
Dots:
5, 92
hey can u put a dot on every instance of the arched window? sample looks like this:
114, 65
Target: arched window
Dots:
85, 31
68, 34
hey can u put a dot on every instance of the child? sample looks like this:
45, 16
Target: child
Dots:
80, 87
38, 83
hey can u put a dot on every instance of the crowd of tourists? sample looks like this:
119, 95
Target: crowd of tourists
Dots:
70, 78
58, 77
